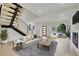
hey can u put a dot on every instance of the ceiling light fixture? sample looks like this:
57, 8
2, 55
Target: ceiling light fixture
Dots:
39, 11
62, 15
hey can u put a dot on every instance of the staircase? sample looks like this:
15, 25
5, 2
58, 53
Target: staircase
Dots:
13, 10
14, 28
5, 26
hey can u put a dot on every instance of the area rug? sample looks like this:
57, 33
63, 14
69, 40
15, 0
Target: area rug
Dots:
34, 51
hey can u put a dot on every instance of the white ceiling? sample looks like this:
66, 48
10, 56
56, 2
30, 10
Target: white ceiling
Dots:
41, 9
44, 12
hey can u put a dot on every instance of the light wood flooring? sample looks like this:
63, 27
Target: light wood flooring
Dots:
63, 49
6, 50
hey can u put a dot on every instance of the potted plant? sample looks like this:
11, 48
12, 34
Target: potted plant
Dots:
61, 28
4, 36
68, 34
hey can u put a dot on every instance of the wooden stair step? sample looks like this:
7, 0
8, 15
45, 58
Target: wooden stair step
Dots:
10, 5
8, 9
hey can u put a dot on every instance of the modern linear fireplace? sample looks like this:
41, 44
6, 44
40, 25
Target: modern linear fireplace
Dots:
75, 38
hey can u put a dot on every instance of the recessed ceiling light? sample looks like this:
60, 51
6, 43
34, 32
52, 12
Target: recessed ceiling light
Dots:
39, 11
62, 15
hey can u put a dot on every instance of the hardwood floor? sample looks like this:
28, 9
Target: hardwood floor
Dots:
6, 50
63, 47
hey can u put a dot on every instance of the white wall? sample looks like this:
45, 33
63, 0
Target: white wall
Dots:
55, 24
53, 21
75, 28
13, 35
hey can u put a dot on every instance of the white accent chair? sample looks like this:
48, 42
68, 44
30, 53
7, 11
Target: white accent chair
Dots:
44, 38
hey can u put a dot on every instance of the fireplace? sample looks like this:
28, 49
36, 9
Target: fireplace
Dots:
75, 38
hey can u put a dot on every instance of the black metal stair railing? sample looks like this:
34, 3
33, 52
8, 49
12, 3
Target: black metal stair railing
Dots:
5, 26
18, 30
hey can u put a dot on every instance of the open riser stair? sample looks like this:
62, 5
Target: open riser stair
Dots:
9, 15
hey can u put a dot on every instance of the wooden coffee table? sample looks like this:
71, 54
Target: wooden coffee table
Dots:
44, 44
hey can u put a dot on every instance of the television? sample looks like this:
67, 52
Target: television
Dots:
75, 18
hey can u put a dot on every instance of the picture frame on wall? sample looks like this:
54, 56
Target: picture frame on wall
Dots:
75, 38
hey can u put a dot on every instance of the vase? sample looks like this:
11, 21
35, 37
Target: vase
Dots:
5, 41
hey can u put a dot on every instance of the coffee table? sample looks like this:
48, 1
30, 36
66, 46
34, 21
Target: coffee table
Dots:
44, 44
